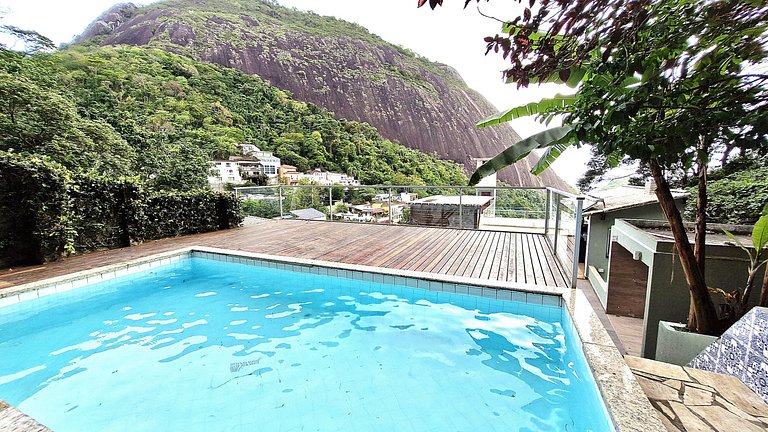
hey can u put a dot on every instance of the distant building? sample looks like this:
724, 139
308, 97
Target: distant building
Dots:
288, 174
402, 197
269, 161
486, 187
238, 169
320, 177
449, 211
224, 171
367, 213
309, 214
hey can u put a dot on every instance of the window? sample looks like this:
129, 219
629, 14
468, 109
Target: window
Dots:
228, 164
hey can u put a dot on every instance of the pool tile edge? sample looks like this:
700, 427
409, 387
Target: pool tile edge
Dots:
626, 402
15, 294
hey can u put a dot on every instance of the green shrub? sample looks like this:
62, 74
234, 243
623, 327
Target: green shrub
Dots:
101, 207
736, 198
35, 211
261, 208
47, 212
169, 214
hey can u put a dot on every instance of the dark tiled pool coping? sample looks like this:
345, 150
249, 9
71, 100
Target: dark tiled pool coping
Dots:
628, 407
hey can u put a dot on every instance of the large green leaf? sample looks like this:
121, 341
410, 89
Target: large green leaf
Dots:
760, 233
558, 101
519, 150
553, 152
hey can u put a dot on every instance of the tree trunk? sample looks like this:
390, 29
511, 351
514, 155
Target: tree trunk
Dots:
701, 207
704, 319
726, 153
764, 291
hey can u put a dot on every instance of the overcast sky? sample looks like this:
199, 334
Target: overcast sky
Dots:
450, 35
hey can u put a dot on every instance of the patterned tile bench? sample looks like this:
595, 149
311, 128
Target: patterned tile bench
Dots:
742, 352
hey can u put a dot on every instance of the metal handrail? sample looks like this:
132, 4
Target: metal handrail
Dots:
379, 186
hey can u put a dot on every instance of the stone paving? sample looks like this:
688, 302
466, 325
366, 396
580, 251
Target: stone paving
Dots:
692, 400
13, 420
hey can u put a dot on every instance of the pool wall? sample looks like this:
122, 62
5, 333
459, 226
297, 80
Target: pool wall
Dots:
628, 407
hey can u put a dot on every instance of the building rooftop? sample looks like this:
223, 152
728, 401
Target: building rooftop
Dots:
624, 197
308, 214
660, 231
465, 200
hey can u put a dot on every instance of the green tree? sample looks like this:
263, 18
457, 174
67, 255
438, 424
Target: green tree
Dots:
662, 82
127, 110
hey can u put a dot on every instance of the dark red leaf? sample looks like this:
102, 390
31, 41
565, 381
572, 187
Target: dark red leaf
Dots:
564, 74
488, 39
527, 14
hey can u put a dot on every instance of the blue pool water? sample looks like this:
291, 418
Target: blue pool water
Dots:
203, 345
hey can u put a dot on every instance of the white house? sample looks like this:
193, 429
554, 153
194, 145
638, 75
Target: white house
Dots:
224, 171
318, 176
269, 161
238, 169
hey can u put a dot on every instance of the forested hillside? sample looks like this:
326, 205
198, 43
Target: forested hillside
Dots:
335, 64
127, 111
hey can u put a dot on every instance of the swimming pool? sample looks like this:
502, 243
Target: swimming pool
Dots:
200, 344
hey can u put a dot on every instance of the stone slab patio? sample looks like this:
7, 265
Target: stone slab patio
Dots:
693, 400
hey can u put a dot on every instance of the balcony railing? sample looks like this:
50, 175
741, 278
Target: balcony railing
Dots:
546, 211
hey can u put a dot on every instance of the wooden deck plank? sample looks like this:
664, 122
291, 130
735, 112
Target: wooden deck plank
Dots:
400, 250
481, 256
495, 249
459, 254
469, 257
448, 255
434, 254
519, 261
530, 271
539, 259
418, 254
498, 269
484, 254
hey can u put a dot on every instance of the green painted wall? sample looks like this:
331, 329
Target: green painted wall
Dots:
598, 240
667, 297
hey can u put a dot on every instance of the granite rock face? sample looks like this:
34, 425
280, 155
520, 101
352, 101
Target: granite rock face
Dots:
335, 64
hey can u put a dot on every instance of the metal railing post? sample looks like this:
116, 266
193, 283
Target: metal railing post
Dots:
577, 241
280, 199
557, 222
330, 202
461, 208
546, 210
389, 203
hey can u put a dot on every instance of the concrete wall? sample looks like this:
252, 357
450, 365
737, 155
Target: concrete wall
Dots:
667, 295
599, 240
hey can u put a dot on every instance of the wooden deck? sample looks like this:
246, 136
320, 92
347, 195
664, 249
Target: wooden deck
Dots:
505, 256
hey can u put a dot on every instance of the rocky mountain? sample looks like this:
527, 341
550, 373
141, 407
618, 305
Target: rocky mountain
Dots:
332, 63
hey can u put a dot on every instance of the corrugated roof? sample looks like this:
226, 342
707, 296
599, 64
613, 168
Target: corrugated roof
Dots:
308, 214
624, 197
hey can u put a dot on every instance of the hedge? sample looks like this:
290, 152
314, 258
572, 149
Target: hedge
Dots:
35, 210
47, 212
